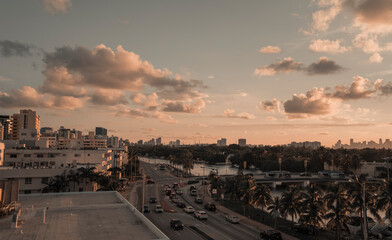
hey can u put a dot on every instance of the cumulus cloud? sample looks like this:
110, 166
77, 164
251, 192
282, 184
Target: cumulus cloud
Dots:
383, 89
230, 113
139, 113
314, 102
373, 12
285, 66
108, 97
324, 17
328, 46
323, 66
270, 106
270, 49
359, 88
14, 48
55, 6
376, 58
180, 106
29, 97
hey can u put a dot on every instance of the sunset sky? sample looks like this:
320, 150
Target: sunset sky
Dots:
270, 71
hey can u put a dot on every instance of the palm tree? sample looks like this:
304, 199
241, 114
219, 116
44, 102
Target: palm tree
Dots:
262, 197
312, 207
385, 200
187, 162
275, 208
87, 174
115, 171
57, 184
74, 177
337, 202
249, 192
291, 202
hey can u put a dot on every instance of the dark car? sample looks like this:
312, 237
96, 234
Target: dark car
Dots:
302, 228
146, 209
150, 181
193, 181
176, 224
153, 199
271, 235
210, 206
181, 204
198, 200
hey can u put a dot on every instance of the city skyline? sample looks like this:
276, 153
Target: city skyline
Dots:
270, 72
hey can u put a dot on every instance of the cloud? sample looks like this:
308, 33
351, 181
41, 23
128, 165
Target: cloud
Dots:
314, 102
374, 12
285, 66
229, 113
139, 113
211, 77
376, 58
29, 97
328, 46
323, 18
14, 48
271, 106
182, 107
270, 49
323, 66
360, 88
108, 97
55, 6
384, 89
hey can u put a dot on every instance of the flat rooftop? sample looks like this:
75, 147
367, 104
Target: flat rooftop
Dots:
90, 215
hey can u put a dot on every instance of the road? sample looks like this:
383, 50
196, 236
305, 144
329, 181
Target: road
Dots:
216, 227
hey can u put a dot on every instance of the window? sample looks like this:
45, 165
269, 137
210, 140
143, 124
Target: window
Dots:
27, 191
64, 155
28, 180
45, 180
51, 155
78, 155
40, 155
13, 155
27, 155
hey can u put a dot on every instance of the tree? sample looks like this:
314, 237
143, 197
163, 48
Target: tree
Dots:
385, 200
337, 202
57, 184
73, 177
275, 208
291, 203
87, 174
312, 207
262, 197
187, 162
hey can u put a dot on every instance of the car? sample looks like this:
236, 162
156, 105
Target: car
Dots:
175, 200
232, 219
189, 209
193, 192
210, 206
305, 174
158, 209
146, 209
193, 187
201, 215
303, 228
173, 195
176, 224
168, 191
271, 235
179, 191
181, 204
198, 200
193, 181
153, 200
150, 181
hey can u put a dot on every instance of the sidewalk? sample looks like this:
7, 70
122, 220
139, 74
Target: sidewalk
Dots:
202, 191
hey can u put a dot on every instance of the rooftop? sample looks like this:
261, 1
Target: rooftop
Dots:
88, 215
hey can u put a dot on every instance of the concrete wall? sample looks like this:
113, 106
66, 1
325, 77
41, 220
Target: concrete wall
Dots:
9, 191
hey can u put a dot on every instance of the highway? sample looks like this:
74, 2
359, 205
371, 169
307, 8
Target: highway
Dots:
216, 227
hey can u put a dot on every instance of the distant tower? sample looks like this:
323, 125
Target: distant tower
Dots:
351, 142
25, 125
242, 142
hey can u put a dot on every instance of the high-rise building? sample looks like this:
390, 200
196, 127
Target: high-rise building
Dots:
159, 141
25, 125
101, 131
221, 142
242, 142
1, 132
5, 121
46, 131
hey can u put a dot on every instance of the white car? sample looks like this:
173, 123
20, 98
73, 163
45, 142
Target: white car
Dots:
201, 215
232, 219
189, 209
158, 209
